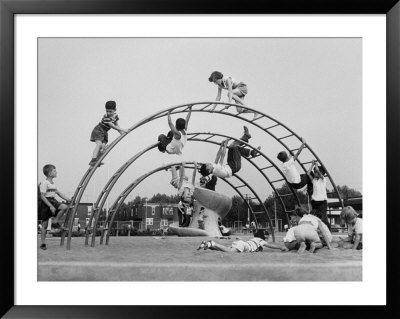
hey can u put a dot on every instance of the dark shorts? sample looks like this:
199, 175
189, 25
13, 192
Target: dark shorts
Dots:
304, 180
234, 159
164, 140
99, 133
44, 210
319, 209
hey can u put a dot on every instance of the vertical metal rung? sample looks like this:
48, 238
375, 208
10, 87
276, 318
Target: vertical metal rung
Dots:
188, 107
205, 107
266, 167
206, 139
306, 163
278, 180
281, 138
257, 118
269, 127
194, 136
284, 195
241, 186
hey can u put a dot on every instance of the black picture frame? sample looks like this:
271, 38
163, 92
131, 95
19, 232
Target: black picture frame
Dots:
8, 10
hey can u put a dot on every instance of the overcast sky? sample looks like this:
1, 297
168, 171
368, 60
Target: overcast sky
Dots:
314, 86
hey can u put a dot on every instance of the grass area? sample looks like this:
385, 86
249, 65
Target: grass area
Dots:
176, 258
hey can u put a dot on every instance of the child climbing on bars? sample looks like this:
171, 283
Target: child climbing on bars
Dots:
234, 160
354, 224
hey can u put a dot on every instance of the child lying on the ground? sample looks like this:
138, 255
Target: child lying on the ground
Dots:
257, 243
354, 223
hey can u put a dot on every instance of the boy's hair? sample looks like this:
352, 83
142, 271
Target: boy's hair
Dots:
261, 233
203, 170
300, 211
216, 75
180, 124
348, 214
282, 156
111, 105
47, 169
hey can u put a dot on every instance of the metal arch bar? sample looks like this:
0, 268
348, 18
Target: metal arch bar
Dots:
106, 190
89, 173
265, 208
128, 163
121, 198
192, 139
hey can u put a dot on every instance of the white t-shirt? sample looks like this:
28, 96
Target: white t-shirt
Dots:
176, 146
222, 170
290, 171
357, 228
319, 189
314, 221
289, 235
49, 189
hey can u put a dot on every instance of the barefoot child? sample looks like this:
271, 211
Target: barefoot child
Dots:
296, 180
354, 224
236, 90
100, 132
234, 160
255, 244
49, 206
175, 141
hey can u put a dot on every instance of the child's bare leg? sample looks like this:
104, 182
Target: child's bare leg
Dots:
238, 100
223, 153
44, 231
60, 213
219, 152
315, 245
97, 148
302, 247
223, 248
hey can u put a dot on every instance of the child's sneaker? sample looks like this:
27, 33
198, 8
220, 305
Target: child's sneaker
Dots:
254, 153
43, 246
202, 245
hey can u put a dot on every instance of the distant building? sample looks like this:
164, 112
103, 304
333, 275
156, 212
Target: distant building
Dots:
154, 215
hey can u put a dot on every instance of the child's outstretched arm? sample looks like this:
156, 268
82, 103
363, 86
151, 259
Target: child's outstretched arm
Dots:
310, 169
117, 128
357, 239
300, 149
188, 117
323, 232
229, 81
63, 196
194, 173
172, 127
274, 246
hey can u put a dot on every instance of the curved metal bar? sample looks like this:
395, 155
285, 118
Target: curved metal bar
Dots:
104, 194
184, 108
128, 190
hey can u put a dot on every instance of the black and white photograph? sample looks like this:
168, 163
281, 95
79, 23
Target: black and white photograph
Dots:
200, 159
201, 163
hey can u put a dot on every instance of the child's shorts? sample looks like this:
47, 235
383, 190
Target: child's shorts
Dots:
44, 210
164, 140
306, 233
242, 88
241, 246
99, 134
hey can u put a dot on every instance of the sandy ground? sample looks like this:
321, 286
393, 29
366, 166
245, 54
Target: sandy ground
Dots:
173, 258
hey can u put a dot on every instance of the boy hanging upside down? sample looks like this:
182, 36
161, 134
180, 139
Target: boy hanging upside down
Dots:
234, 160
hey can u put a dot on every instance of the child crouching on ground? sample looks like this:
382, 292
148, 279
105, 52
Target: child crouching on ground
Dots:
354, 224
257, 243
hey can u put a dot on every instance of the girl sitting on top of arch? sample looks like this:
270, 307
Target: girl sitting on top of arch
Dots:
236, 90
